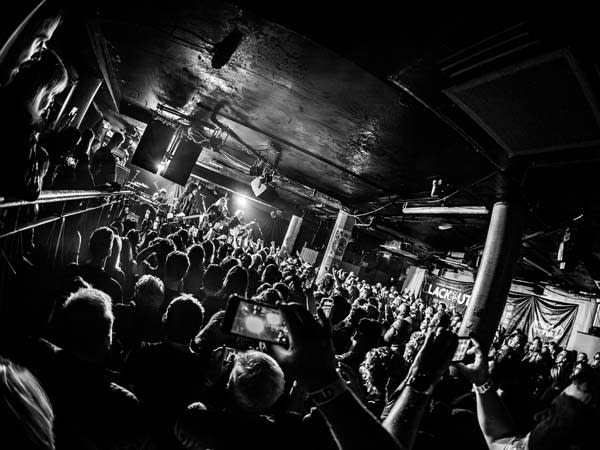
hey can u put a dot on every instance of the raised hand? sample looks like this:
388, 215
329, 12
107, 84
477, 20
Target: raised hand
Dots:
434, 358
310, 357
478, 371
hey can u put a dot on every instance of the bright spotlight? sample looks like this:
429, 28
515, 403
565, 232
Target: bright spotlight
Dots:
241, 201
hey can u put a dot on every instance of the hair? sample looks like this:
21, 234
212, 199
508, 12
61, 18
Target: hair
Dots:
209, 250
87, 321
176, 238
25, 411
236, 282
149, 292
177, 265
117, 139
183, 319
375, 370
271, 274
101, 243
47, 74
256, 381
213, 278
269, 296
191, 187
368, 331
196, 255
283, 290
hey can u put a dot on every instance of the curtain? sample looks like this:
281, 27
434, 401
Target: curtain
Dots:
537, 316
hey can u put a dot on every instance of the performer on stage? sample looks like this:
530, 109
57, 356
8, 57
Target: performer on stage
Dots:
218, 211
160, 198
187, 203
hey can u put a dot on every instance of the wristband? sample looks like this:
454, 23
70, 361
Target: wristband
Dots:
328, 393
419, 383
483, 388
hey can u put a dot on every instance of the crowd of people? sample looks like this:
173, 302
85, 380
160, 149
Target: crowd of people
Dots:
131, 352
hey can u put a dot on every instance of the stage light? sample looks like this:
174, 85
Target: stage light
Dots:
445, 226
160, 168
241, 201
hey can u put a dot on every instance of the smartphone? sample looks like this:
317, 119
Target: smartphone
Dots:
326, 306
255, 320
464, 343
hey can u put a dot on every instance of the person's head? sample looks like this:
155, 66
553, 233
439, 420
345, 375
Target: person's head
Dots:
116, 140
283, 290
256, 262
268, 296
424, 325
375, 370
367, 333
571, 420
536, 345
596, 361
191, 187
209, 250
441, 306
36, 84
196, 256
87, 137
236, 282
256, 381
164, 247
271, 274
183, 319
101, 243
25, 411
176, 266
239, 214
87, 322
582, 357
517, 340
562, 357
213, 279
246, 260
404, 310
440, 319
149, 293
31, 42
176, 238
340, 310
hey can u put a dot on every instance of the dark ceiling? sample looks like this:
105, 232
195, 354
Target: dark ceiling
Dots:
367, 104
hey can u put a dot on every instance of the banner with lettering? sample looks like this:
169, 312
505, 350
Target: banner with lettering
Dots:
537, 316
454, 294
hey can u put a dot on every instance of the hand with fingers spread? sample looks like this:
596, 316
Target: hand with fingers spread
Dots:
310, 357
478, 371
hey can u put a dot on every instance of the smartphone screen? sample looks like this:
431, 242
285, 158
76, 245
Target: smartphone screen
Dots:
461, 350
255, 321
326, 306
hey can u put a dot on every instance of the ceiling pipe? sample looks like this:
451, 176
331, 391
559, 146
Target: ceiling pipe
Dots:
446, 210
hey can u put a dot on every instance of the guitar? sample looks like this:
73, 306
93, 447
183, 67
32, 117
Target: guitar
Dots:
241, 229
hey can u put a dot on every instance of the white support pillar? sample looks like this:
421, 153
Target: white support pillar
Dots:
291, 234
591, 316
340, 236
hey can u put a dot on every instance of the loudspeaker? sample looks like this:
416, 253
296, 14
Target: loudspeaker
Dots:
153, 146
263, 191
183, 161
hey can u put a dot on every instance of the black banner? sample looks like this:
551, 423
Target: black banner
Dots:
538, 316
454, 294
